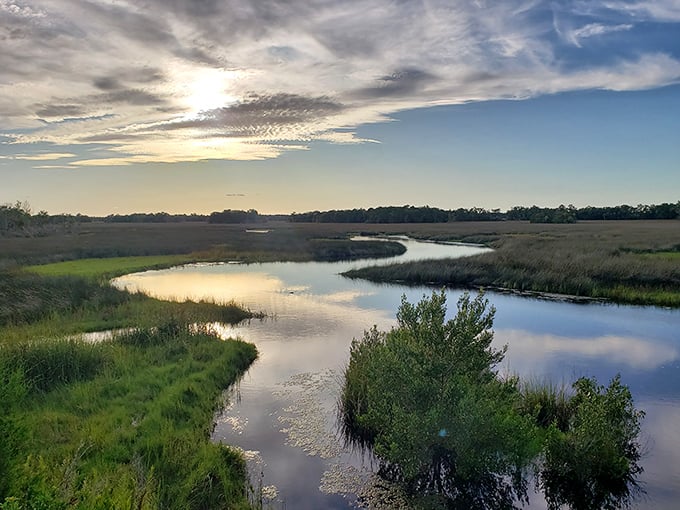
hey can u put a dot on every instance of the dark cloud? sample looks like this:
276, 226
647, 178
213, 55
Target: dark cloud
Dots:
195, 53
107, 83
261, 114
59, 110
136, 97
398, 84
143, 75
135, 75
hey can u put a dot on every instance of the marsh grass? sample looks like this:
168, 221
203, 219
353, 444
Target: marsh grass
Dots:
548, 403
192, 242
105, 268
34, 307
120, 424
627, 264
116, 424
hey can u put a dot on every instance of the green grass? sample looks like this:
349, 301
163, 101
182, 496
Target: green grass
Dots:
121, 424
630, 262
665, 255
108, 267
34, 307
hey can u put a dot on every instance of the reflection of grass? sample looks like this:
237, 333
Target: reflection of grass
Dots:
122, 424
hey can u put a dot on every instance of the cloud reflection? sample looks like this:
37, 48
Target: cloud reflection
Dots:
637, 353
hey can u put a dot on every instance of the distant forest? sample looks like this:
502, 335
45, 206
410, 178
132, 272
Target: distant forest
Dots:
19, 219
534, 214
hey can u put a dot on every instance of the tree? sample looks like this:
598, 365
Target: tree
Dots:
426, 399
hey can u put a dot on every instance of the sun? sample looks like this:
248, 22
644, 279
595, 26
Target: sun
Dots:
208, 88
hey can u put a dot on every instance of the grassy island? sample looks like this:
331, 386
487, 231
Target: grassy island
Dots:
635, 262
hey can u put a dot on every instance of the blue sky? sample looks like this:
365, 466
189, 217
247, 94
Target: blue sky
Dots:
298, 105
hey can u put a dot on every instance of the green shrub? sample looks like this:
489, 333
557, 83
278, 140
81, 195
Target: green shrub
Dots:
594, 464
426, 399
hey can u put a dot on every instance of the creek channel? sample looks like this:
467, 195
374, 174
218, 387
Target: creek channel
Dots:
283, 413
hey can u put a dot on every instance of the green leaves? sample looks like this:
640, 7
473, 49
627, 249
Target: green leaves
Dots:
425, 398
594, 464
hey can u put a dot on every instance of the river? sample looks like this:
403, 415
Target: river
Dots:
283, 412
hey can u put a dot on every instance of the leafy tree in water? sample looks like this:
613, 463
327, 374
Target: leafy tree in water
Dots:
427, 400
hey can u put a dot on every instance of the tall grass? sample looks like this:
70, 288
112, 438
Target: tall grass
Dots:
193, 242
577, 263
49, 363
34, 306
120, 424
548, 403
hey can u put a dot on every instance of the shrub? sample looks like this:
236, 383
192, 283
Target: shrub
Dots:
426, 399
594, 464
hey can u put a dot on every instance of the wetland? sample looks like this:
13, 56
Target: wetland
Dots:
304, 314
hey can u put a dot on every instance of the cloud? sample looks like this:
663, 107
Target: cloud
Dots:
278, 116
44, 156
181, 80
59, 110
594, 29
404, 82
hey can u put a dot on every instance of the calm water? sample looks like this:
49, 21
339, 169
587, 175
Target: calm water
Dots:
284, 413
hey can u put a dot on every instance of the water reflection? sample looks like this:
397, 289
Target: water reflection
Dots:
313, 315
638, 353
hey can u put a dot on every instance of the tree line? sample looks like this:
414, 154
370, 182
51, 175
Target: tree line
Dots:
534, 214
19, 219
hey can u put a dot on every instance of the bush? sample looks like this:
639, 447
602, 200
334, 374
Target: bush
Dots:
426, 399
594, 464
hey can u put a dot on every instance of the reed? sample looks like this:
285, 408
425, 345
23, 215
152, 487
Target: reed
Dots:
621, 266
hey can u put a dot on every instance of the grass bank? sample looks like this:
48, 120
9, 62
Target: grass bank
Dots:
120, 424
105, 268
278, 241
34, 306
625, 262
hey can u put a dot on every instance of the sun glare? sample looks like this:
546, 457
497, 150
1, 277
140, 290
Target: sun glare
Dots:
207, 89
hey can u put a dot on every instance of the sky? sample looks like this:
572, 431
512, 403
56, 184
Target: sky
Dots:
296, 105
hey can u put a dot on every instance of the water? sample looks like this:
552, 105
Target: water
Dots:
284, 412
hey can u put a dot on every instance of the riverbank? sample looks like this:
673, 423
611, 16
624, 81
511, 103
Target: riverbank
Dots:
194, 242
629, 262
123, 423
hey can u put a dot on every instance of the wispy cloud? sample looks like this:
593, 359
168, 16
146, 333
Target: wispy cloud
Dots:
184, 81
41, 156
576, 35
